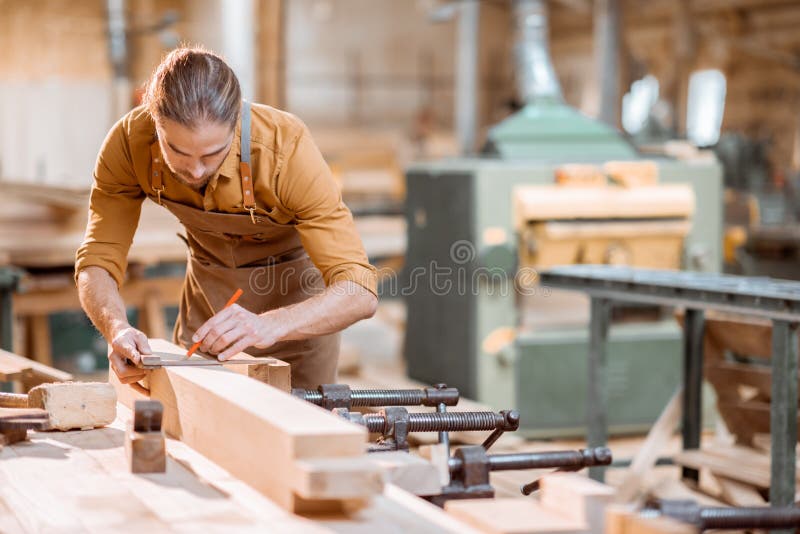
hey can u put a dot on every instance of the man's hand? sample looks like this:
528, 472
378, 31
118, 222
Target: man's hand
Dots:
234, 329
126, 348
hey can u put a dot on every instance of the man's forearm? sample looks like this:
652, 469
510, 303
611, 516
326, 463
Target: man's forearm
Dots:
101, 301
339, 306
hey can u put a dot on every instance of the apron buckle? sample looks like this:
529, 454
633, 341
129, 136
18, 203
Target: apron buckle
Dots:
252, 217
158, 191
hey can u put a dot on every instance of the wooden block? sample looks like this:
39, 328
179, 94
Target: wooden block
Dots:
146, 451
7, 437
272, 371
512, 516
408, 472
632, 173
580, 175
438, 456
617, 517
578, 498
76, 405
338, 478
254, 431
637, 524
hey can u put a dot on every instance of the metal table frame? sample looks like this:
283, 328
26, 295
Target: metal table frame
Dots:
9, 277
777, 300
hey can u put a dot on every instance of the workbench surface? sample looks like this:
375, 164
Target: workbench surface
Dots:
80, 482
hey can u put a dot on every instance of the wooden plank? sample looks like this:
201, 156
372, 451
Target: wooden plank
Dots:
254, 431
512, 516
737, 463
577, 497
646, 456
56, 503
13, 400
88, 488
337, 478
730, 374
546, 202
744, 335
736, 493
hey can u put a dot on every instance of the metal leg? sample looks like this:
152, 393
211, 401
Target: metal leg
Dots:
6, 319
783, 417
692, 425
597, 390
8, 282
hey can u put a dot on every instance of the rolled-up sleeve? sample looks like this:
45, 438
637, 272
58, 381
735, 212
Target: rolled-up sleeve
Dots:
307, 188
114, 207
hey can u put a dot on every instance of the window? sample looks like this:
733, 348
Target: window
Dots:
705, 107
636, 104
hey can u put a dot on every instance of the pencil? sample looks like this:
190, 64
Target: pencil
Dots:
230, 303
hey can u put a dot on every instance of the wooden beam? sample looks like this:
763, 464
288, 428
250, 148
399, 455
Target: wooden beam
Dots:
254, 431
507, 516
337, 478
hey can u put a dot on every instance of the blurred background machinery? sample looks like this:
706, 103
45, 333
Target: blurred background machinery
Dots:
484, 225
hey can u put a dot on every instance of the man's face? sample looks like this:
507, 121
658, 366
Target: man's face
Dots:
194, 155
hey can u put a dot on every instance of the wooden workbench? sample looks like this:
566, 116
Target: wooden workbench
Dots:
80, 482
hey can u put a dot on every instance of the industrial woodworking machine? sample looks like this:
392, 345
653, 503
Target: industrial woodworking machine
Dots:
479, 228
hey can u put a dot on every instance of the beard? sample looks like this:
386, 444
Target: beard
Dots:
190, 181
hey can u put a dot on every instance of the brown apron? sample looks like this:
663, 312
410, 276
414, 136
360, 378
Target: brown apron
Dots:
267, 261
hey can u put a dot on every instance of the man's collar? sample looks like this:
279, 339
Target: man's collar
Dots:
230, 165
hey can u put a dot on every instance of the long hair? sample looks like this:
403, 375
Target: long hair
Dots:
192, 86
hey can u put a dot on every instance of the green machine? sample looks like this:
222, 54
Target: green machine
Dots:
462, 273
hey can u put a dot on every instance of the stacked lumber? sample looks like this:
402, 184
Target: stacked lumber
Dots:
43, 225
569, 503
740, 475
743, 385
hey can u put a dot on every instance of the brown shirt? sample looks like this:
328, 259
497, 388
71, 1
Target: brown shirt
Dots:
292, 182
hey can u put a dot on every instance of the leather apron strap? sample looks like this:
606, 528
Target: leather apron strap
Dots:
248, 195
156, 178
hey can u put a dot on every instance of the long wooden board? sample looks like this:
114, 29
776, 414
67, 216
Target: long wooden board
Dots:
254, 431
